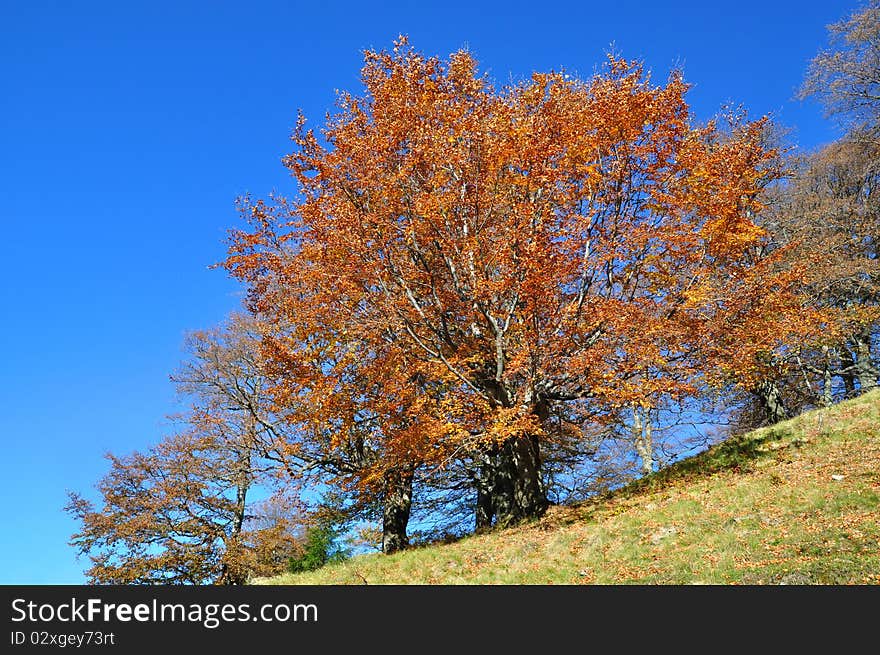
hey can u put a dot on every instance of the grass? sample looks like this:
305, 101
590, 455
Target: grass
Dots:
798, 503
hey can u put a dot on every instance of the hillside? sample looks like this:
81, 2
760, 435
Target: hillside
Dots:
798, 503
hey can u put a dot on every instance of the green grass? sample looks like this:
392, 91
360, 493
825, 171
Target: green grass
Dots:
758, 509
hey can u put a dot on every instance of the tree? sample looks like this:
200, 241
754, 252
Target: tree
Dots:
177, 514
831, 215
489, 256
838, 192
846, 77
824, 222
180, 512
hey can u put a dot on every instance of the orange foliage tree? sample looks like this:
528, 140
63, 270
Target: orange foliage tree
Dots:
176, 514
828, 217
464, 264
182, 512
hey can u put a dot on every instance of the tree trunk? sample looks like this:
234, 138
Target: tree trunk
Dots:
827, 377
643, 438
827, 387
771, 402
517, 491
866, 372
485, 512
848, 365
236, 575
395, 510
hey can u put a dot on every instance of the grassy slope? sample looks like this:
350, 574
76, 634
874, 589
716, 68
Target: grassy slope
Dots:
767, 507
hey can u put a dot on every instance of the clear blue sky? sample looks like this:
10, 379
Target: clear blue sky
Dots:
127, 129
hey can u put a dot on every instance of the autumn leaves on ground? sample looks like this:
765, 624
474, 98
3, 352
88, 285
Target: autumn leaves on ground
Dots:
798, 503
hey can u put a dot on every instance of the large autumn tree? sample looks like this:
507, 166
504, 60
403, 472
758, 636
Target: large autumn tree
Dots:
490, 268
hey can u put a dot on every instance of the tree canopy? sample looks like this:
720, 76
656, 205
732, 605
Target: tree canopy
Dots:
492, 259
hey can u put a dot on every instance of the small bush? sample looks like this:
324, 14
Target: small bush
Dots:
320, 548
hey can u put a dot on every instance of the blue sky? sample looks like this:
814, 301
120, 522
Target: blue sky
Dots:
127, 130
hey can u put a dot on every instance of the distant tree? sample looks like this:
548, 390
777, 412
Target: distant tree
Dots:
834, 204
846, 77
177, 514
180, 512
831, 217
